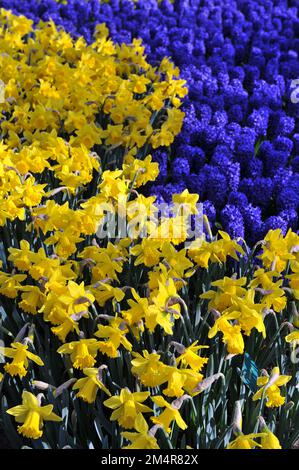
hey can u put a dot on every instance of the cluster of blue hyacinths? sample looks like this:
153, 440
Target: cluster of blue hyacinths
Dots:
239, 148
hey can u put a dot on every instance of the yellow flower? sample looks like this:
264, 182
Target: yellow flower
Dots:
217, 251
175, 382
177, 263
227, 289
88, 386
189, 357
21, 258
172, 229
270, 388
65, 327
148, 368
276, 251
245, 441
273, 294
104, 292
139, 307
269, 440
127, 406
20, 355
82, 352
232, 335
165, 308
249, 315
293, 337
32, 299
179, 380
263, 278
141, 171
147, 252
10, 284
143, 438
115, 334
187, 200
32, 415
170, 414
294, 279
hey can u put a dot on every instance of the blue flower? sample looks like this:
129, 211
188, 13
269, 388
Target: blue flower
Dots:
232, 220
276, 222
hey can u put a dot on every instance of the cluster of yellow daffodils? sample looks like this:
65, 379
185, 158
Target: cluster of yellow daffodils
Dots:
239, 305
71, 109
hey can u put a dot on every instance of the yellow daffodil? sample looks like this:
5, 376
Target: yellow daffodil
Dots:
10, 284
89, 385
189, 357
32, 415
227, 289
276, 251
171, 413
232, 335
115, 335
268, 440
127, 406
270, 388
149, 369
82, 352
20, 359
246, 441
143, 438
215, 252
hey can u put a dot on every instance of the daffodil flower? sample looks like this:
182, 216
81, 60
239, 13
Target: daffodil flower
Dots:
144, 437
293, 338
269, 440
246, 441
20, 355
149, 369
82, 352
115, 335
270, 388
88, 386
127, 406
171, 413
189, 357
32, 415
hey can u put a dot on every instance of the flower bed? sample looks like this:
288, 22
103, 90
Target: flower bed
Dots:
125, 323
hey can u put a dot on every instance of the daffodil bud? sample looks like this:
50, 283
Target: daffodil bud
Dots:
262, 423
41, 385
289, 405
154, 429
295, 314
180, 348
206, 383
59, 390
207, 226
176, 404
237, 418
21, 333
